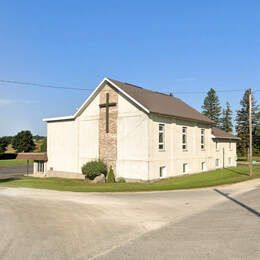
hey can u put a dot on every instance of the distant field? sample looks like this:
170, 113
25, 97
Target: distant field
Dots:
13, 162
255, 158
38, 144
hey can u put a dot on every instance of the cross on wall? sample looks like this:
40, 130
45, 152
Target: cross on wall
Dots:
107, 105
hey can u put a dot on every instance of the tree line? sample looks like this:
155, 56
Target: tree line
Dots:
23, 141
223, 117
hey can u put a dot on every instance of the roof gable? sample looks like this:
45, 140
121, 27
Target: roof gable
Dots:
149, 101
163, 104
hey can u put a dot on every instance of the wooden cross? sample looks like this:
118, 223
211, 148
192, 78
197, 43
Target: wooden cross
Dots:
107, 105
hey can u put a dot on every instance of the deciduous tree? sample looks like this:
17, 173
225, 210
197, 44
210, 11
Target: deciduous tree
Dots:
23, 142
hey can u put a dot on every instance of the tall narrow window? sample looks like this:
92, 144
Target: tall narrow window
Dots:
202, 139
184, 138
161, 143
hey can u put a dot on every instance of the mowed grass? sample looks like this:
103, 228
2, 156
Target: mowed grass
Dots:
255, 158
207, 179
13, 162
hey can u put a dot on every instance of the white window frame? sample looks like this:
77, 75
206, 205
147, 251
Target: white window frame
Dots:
217, 163
203, 166
40, 166
161, 145
185, 168
184, 136
217, 146
202, 139
162, 171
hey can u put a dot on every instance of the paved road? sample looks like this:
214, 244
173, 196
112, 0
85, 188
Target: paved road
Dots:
194, 224
13, 171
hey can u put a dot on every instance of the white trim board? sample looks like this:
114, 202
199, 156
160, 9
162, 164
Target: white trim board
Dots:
88, 100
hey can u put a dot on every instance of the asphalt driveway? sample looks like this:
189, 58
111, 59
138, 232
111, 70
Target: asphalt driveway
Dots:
220, 223
7, 172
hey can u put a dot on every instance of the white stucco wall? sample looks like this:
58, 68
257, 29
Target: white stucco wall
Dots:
73, 143
173, 156
132, 141
87, 124
62, 146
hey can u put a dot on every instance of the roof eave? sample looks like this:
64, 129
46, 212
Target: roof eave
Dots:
55, 119
184, 118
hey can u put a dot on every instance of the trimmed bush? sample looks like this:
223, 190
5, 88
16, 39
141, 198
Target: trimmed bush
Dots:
120, 180
93, 169
111, 175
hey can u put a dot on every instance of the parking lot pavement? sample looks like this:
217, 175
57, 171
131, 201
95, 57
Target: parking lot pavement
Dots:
191, 224
7, 172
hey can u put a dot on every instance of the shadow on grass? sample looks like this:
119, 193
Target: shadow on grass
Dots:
236, 171
254, 211
8, 179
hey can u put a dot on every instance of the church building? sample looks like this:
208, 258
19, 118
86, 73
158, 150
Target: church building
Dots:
143, 134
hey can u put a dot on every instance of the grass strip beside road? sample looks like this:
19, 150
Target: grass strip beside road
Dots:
206, 179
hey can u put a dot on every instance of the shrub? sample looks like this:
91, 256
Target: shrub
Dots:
111, 175
93, 169
120, 180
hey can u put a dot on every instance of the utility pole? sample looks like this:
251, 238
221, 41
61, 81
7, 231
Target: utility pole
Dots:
250, 133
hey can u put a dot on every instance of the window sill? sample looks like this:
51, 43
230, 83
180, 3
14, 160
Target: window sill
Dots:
185, 150
161, 150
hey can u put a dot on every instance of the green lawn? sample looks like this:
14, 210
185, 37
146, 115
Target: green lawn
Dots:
255, 158
212, 178
13, 162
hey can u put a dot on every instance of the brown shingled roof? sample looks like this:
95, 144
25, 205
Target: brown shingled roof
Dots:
218, 133
163, 104
32, 156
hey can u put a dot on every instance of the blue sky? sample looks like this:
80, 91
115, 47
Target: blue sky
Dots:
163, 45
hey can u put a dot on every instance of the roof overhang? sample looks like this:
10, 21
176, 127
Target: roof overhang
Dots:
32, 156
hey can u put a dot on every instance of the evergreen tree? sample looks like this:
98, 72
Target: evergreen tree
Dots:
23, 142
226, 120
211, 107
242, 124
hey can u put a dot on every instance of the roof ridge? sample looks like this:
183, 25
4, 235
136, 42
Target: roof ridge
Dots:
136, 86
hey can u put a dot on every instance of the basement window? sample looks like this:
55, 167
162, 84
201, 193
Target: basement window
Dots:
217, 163
162, 171
185, 168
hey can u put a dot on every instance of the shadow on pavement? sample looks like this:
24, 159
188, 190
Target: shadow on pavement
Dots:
239, 203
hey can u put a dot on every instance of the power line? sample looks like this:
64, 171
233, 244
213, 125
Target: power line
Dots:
218, 91
30, 84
